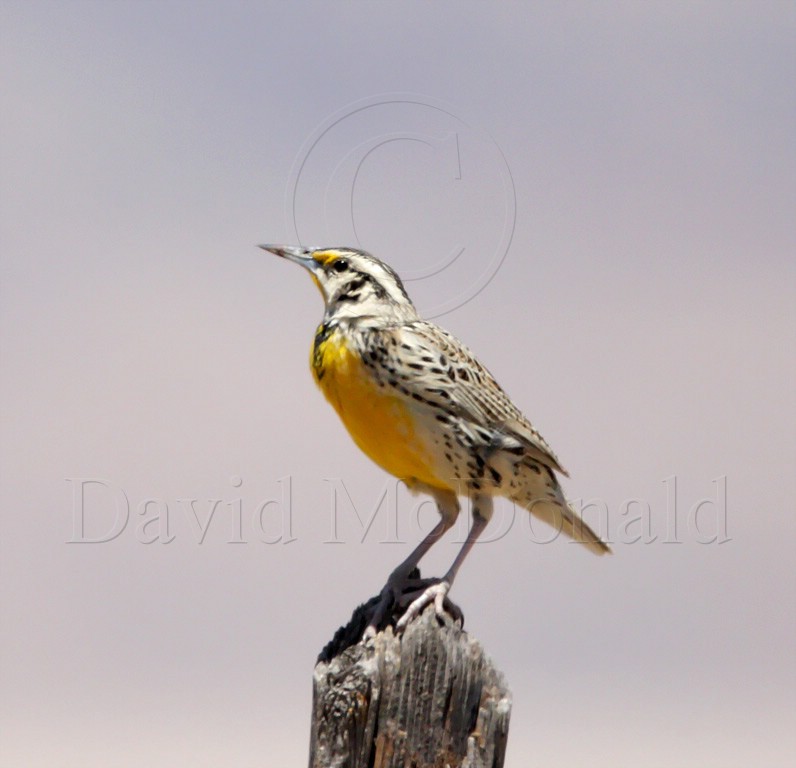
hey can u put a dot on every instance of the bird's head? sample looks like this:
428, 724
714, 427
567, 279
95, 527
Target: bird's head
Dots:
353, 283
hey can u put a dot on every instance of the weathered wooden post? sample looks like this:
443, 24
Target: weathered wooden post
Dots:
429, 698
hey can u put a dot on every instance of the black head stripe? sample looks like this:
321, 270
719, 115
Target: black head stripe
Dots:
390, 271
370, 275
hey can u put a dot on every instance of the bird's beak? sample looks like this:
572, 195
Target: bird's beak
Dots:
295, 253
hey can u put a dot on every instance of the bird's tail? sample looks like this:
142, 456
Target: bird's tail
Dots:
566, 520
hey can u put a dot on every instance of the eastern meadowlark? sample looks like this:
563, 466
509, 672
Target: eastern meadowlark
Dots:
419, 404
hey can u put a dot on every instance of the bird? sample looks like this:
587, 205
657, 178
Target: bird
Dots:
421, 406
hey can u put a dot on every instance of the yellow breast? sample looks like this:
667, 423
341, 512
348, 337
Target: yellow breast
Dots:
382, 425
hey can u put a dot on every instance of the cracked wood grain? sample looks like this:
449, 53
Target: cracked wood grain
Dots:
429, 698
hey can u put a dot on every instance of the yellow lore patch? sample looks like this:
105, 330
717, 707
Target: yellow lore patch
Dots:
324, 257
381, 424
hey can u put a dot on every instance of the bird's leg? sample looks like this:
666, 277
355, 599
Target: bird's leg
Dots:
398, 580
438, 592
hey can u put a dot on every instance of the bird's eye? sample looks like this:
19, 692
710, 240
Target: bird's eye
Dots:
341, 265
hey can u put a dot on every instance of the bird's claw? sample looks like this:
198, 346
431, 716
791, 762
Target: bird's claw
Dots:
387, 600
436, 593
414, 594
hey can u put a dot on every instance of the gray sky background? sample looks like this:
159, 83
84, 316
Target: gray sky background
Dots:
643, 317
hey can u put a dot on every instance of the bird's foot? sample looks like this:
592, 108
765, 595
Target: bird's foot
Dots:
414, 594
381, 610
389, 598
436, 592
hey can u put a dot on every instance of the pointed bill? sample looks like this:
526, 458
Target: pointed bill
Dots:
294, 253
